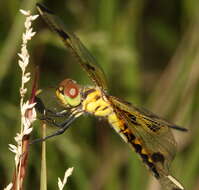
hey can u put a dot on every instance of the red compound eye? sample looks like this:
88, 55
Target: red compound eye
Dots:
71, 89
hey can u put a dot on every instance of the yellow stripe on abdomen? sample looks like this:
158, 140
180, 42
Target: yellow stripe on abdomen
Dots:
117, 124
128, 136
95, 104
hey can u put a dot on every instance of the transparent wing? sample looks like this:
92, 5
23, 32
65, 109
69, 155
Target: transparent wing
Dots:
72, 42
154, 136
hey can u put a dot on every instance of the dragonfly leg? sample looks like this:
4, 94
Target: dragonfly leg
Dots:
51, 113
51, 121
62, 127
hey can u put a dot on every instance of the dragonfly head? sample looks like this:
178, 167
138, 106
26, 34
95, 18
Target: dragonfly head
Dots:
68, 92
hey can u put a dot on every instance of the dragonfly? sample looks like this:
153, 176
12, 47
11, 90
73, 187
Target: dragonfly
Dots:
148, 134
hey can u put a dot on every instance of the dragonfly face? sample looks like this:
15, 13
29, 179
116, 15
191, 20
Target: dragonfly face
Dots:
69, 93
149, 135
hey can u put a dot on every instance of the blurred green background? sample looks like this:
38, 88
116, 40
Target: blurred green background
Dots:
149, 51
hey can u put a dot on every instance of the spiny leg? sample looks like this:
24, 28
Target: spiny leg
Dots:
62, 127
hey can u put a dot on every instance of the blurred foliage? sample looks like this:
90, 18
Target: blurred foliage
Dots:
150, 54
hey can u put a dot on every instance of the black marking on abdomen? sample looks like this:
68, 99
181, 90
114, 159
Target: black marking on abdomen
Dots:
138, 149
123, 129
145, 158
153, 169
157, 157
129, 135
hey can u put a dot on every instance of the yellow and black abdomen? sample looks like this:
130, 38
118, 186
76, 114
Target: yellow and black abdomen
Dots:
128, 136
94, 103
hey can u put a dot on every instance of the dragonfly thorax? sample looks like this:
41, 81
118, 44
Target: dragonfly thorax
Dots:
95, 102
68, 93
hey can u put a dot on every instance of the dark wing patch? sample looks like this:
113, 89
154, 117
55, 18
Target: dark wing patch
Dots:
156, 145
72, 42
